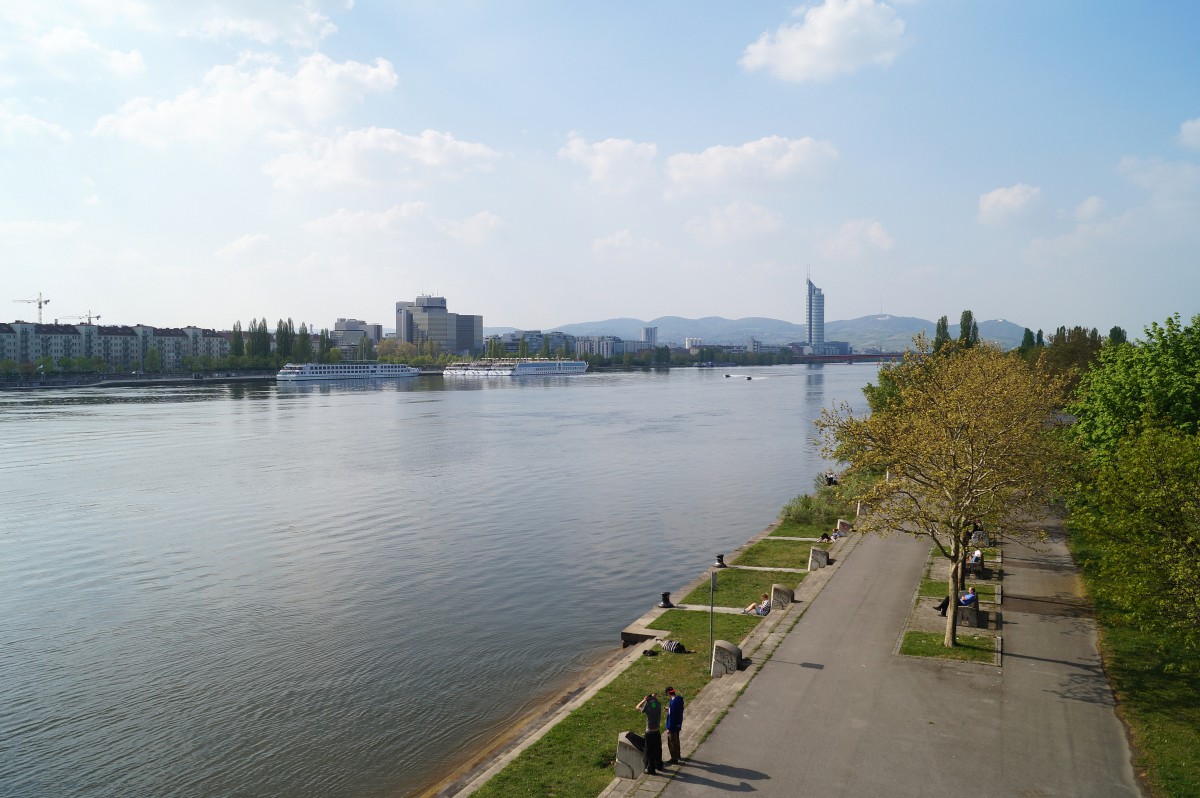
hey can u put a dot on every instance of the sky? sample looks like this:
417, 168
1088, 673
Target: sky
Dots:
545, 163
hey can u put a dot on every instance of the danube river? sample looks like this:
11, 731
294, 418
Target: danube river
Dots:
345, 590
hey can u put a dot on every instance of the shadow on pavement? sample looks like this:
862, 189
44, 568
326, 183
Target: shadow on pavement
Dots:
741, 776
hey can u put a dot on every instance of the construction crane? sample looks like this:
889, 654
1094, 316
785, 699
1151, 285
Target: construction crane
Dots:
89, 316
38, 301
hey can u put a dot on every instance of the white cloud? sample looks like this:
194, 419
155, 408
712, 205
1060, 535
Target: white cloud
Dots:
476, 229
771, 158
1164, 179
623, 242
855, 237
838, 37
734, 222
1189, 134
1004, 204
372, 155
38, 227
69, 53
14, 126
299, 25
348, 223
1089, 209
617, 164
242, 245
234, 102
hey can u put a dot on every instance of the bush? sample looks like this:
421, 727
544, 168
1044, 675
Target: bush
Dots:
822, 508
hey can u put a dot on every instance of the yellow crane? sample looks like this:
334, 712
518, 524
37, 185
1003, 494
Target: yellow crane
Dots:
38, 301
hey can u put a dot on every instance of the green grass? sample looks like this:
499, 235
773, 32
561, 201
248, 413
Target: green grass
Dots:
1157, 682
791, 529
936, 588
769, 553
972, 648
575, 758
737, 588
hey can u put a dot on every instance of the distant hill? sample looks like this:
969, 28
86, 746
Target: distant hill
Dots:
886, 333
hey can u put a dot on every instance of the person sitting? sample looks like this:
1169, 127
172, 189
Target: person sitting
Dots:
977, 557
837, 533
825, 537
759, 609
968, 599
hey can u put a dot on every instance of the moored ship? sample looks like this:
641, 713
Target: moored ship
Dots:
515, 367
346, 370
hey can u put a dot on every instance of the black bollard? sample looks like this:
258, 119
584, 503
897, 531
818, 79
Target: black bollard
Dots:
720, 563
666, 600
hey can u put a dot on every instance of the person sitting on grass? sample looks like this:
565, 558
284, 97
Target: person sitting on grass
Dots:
825, 538
759, 609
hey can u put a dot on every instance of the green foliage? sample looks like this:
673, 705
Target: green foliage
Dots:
769, 553
8, 366
739, 588
1071, 353
1142, 509
968, 330
302, 349
821, 509
237, 344
1116, 335
1152, 383
153, 362
941, 335
1028, 344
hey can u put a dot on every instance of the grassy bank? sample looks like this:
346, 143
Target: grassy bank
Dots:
738, 588
1157, 682
575, 758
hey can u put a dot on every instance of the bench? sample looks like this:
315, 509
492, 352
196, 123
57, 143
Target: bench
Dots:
975, 568
969, 616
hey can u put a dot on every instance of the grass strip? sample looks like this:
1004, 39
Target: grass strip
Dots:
1156, 679
575, 758
936, 588
769, 553
792, 529
971, 648
738, 588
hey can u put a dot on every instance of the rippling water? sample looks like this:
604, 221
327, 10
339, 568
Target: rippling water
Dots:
343, 590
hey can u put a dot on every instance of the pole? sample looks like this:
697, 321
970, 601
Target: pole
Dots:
712, 590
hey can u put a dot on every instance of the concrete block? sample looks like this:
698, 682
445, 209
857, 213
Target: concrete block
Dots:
843, 526
631, 755
817, 558
968, 616
781, 598
726, 657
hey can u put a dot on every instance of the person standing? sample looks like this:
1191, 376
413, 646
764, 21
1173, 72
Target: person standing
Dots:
650, 707
674, 724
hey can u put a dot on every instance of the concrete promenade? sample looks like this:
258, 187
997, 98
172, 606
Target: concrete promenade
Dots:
836, 712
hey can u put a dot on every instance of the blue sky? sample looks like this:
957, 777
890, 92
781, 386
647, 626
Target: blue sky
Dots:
547, 163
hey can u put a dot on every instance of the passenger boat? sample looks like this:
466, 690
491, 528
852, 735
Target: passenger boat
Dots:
515, 367
346, 370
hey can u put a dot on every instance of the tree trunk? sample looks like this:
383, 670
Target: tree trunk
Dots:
956, 552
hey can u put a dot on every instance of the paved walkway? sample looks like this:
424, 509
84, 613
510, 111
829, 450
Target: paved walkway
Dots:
836, 713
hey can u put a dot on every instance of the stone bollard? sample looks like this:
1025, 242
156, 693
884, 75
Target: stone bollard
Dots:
631, 755
725, 660
666, 600
817, 558
843, 526
781, 597
720, 563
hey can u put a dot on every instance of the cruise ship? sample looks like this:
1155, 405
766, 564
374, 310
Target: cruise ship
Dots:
346, 370
515, 367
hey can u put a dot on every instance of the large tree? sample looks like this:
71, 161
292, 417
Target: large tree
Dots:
955, 438
968, 330
941, 335
1151, 383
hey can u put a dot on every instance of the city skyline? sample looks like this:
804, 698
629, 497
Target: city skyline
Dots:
545, 165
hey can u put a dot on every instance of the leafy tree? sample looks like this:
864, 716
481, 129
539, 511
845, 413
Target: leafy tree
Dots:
941, 336
1142, 506
302, 348
1027, 343
285, 335
523, 348
1041, 341
1071, 352
153, 362
237, 344
545, 346
366, 350
968, 330
1116, 335
963, 438
324, 346
1148, 384
8, 366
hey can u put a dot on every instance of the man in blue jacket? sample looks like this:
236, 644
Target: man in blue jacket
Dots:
674, 723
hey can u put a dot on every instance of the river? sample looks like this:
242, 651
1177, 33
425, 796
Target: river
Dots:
344, 590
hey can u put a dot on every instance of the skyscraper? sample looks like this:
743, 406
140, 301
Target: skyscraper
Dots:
815, 309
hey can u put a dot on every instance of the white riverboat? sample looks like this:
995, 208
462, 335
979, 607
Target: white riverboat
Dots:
346, 370
515, 367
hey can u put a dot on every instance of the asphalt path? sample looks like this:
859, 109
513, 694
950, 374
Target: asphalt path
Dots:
836, 712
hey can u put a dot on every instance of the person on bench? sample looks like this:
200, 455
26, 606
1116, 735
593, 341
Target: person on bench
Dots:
968, 599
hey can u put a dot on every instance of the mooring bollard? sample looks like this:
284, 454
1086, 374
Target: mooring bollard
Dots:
720, 563
666, 600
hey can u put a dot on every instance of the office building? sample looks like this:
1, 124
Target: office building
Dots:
815, 310
427, 320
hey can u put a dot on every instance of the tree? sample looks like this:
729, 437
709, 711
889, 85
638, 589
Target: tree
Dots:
285, 336
1027, 343
8, 367
523, 347
153, 362
545, 353
1142, 510
968, 330
964, 437
237, 344
1148, 384
366, 349
941, 336
1116, 335
302, 348
1071, 352
324, 346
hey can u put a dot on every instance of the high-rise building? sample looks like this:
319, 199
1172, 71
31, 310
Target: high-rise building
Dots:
650, 336
427, 320
815, 314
